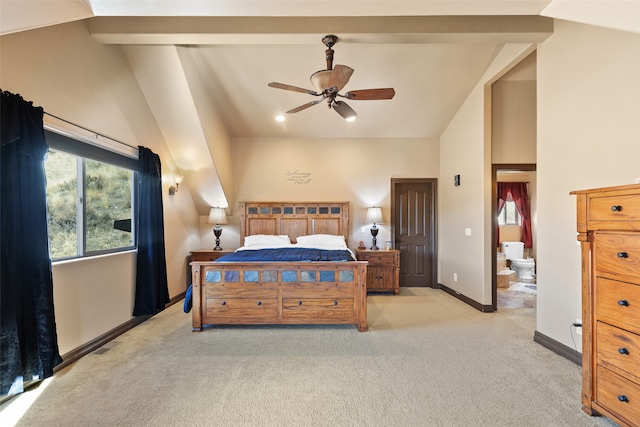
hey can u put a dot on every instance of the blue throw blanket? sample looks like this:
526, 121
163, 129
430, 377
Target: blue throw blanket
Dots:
287, 254
187, 299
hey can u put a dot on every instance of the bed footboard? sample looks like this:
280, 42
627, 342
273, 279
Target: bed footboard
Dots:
280, 293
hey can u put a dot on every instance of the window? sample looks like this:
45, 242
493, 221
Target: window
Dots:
90, 198
509, 215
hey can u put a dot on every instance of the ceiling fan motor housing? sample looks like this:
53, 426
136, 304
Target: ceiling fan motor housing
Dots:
329, 41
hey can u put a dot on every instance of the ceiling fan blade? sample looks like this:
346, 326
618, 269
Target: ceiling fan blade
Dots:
367, 94
344, 110
305, 106
340, 76
293, 88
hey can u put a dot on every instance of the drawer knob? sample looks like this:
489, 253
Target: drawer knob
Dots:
299, 302
259, 302
623, 255
623, 350
224, 303
623, 398
335, 303
623, 303
616, 208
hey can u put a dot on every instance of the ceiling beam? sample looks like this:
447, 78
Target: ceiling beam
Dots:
308, 30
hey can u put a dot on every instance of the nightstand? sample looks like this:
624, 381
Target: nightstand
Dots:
208, 254
383, 271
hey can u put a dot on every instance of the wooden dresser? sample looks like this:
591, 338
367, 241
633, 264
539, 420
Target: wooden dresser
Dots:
609, 235
383, 271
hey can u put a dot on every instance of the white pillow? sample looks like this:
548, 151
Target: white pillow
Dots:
322, 241
267, 240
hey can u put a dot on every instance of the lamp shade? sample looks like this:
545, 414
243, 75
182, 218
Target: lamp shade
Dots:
374, 215
217, 216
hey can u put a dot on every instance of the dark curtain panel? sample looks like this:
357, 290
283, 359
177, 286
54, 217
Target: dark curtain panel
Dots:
517, 193
28, 339
152, 292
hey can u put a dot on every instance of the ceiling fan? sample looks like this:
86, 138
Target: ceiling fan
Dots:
329, 82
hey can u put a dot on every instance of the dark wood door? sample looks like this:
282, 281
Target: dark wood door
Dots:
414, 222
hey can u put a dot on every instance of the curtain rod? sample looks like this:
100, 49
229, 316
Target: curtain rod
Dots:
89, 130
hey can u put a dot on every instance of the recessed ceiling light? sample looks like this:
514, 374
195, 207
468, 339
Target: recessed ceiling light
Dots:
280, 118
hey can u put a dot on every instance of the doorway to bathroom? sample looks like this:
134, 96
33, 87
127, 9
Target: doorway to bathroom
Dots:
514, 271
513, 124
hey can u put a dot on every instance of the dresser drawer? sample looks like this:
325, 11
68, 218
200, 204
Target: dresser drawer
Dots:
618, 254
614, 208
241, 308
618, 395
317, 307
318, 291
238, 290
618, 303
383, 259
619, 350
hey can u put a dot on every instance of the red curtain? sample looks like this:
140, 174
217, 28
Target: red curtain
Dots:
517, 192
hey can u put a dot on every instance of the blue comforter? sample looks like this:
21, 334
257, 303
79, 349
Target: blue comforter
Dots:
287, 254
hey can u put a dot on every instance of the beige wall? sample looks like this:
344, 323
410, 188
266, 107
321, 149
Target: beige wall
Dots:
510, 233
588, 110
355, 170
92, 296
62, 69
588, 137
514, 121
465, 149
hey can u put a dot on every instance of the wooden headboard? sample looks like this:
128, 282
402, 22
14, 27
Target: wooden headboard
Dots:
294, 219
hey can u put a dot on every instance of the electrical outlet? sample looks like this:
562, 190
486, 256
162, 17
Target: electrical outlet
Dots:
455, 277
579, 328
637, 180
363, 229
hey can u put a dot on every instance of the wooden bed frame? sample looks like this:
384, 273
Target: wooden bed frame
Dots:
283, 292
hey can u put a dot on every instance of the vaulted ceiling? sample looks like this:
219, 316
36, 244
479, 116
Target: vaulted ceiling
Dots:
204, 65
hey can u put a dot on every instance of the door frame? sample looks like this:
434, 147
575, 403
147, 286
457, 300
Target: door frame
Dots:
523, 167
433, 183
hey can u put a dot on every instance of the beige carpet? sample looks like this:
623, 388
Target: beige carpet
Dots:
427, 360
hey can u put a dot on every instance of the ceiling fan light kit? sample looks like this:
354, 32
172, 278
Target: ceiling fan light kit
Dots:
330, 82
320, 79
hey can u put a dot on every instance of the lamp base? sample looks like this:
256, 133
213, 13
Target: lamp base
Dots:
217, 232
374, 241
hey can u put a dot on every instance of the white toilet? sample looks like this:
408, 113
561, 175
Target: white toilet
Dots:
524, 267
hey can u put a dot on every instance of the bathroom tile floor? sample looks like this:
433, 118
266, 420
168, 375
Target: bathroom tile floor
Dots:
518, 295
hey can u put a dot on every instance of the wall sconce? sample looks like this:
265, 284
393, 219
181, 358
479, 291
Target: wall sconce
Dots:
177, 179
217, 216
374, 215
